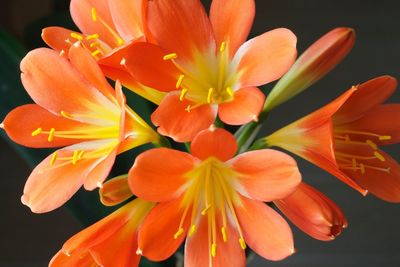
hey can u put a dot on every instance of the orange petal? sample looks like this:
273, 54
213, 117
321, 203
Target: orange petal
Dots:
367, 96
267, 57
264, 230
100, 172
156, 236
313, 213
214, 143
198, 248
321, 57
266, 174
381, 178
245, 107
163, 167
115, 191
176, 120
21, 122
81, 12
232, 21
127, 16
76, 260
180, 26
56, 38
381, 120
56, 85
145, 63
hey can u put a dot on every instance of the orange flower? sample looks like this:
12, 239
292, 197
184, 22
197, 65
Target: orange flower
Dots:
108, 28
76, 108
111, 241
215, 199
205, 64
313, 212
344, 137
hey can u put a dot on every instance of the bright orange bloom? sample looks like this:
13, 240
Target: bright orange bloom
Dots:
313, 212
215, 199
109, 28
344, 137
205, 64
111, 241
75, 107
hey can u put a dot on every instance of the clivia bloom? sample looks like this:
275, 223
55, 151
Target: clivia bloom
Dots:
214, 200
313, 212
111, 241
205, 64
109, 28
76, 109
343, 138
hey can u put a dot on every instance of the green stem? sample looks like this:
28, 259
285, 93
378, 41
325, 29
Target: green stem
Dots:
162, 142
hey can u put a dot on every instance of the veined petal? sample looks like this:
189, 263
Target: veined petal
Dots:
180, 27
176, 120
266, 174
24, 120
367, 96
128, 17
214, 142
156, 236
77, 260
245, 107
115, 191
145, 62
266, 58
321, 57
313, 213
232, 21
158, 174
264, 230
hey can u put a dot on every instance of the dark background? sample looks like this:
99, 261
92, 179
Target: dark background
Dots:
372, 238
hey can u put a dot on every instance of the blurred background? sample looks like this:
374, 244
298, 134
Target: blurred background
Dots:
372, 236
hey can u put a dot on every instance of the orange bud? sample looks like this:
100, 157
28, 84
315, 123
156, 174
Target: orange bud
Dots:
115, 191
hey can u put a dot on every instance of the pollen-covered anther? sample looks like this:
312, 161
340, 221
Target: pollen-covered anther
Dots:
37, 132
94, 14
53, 158
192, 230
379, 156
214, 250
204, 211
183, 94
385, 137
51, 135
180, 80
76, 36
179, 233
170, 56
75, 157
230, 92
242, 243
224, 235
96, 52
371, 144
222, 47
92, 36
209, 95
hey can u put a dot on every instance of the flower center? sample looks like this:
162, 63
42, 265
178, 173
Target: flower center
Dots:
211, 196
209, 79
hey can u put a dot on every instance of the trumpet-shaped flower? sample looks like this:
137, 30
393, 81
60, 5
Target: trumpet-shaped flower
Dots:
313, 212
205, 64
76, 109
109, 28
344, 138
214, 200
110, 242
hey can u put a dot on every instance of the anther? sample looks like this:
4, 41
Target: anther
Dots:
170, 56
242, 243
214, 250
209, 96
120, 41
80, 154
76, 36
96, 52
362, 168
192, 230
179, 233
385, 137
183, 93
93, 36
230, 91
180, 80
53, 158
75, 157
224, 235
94, 14
204, 212
37, 132
379, 156
51, 134
222, 47
371, 144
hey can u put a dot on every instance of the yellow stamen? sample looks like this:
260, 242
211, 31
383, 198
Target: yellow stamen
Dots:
76, 36
209, 96
222, 47
75, 157
37, 132
385, 137
66, 114
94, 44
224, 235
179, 233
80, 154
204, 212
192, 230
120, 41
214, 250
180, 80
183, 93
51, 134
379, 156
94, 14
53, 158
93, 36
242, 243
170, 56
230, 91
372, 144
96, 52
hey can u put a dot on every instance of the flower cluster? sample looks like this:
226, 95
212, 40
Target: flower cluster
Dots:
218, 196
